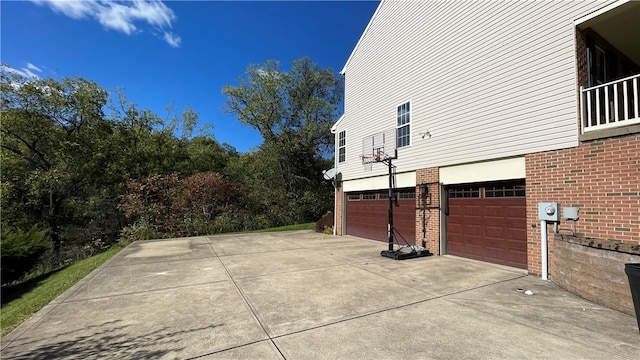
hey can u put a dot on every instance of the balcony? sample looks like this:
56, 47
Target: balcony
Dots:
610, 105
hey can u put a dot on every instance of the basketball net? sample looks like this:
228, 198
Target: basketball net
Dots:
368, 160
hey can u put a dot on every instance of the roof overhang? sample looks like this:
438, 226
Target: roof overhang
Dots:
619, 24
335, 126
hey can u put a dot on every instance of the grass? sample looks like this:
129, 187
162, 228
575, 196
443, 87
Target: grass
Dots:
20, 301
306, 226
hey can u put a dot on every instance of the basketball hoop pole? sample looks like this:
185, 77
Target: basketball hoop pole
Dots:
382, 147
391, 196
406, 252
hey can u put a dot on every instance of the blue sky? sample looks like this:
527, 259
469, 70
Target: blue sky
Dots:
177, 52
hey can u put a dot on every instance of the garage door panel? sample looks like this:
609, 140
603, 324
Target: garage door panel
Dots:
516, 234
472, 211
369, 218
494, 232
516, 212
488, 229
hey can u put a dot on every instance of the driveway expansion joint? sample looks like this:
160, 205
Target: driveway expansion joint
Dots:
253, 311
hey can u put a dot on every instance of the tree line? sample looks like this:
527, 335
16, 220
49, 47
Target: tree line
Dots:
82, 170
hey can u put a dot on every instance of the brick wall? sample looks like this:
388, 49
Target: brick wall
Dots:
601, 178
581, 59
339, 211
429, 177
581, 67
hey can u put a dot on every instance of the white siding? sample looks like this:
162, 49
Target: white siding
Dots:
504, 169
487, 79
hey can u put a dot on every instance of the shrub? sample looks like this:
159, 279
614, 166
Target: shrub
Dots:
166, 206
140, 230
325, 222
20, 251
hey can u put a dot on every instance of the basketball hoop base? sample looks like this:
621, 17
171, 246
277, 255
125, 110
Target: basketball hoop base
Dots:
406, 252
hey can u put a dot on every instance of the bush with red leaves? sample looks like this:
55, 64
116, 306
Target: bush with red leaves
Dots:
325, 222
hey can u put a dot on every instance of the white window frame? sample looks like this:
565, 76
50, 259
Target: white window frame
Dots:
406, 124
342, 146
603, 65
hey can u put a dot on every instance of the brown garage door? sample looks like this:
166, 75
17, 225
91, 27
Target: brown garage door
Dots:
488, 222
367, 215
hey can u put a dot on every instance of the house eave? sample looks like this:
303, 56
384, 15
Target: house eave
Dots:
335, 126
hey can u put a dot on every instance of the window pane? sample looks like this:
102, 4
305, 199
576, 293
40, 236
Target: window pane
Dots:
403, 130
342, 141
403, 136
505, 190
464, 192
406, 195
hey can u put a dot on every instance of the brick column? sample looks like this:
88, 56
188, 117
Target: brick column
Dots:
339, 211
429, 177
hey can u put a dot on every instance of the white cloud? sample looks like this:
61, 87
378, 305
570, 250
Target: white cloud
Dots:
24, 72
172, 39
30, 66
120, 16
73, 9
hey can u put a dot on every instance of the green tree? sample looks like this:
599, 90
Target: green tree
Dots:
51, 133
65, 166
20, 250
147, 143
204, 154
293, 111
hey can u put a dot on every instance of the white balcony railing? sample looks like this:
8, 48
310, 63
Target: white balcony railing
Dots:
610, 105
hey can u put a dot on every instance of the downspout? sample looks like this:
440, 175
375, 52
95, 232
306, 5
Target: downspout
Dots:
335, 180
543, 249
335, 206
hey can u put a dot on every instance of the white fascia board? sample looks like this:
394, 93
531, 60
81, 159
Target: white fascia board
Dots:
585, 18
495, 170
403, 180
344, 69
335, 126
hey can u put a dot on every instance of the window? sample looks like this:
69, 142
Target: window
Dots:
369, 196
342, 148
407, 195
353, 197
600, 66
508, 190
464, 192
403, 129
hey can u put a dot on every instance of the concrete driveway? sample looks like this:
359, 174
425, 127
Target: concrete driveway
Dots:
302, 295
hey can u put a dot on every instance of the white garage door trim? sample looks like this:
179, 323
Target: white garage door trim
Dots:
403, 180
496, 170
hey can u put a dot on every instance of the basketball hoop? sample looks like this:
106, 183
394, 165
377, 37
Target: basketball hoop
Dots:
368, 160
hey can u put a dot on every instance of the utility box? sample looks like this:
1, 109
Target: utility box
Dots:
548, 211
570, 213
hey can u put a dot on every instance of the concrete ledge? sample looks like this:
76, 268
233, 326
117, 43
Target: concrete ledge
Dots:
609, 133
603, 244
